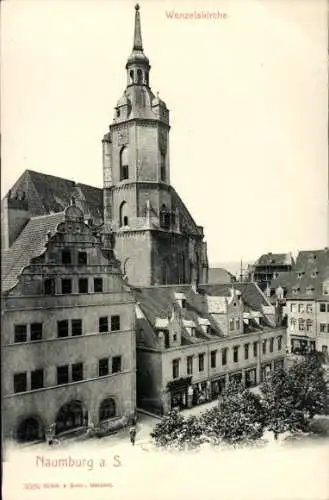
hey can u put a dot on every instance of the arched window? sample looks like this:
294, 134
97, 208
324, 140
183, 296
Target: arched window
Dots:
30, 429
107, 409
163, 167
164, 217
70, 416
131, 75
124, 214
124, 168
146, 77
139, 76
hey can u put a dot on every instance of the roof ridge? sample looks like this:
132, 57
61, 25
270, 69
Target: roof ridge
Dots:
46, 215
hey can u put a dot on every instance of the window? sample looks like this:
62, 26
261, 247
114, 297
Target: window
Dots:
116, 364
183, 303
224, 356
237, 324
301, 324
174, 337
189, 360
20, 382
293, 308
246, 351
66, 257
123, 214
103, 325
213, 359
83, 285
49, 286
292, 323
309, 325
201, 362
77, 372
20, 333
76, 326
175, 368
36, 379
124, 168
36, 331
279, 342
323, 327
264, 346
62, 374
271, 344
312, 345
107, 409
163, 168
139, 76
323, 308
98, 285
66, 285
115, 323
255, 349
235, 354
62, 328
324, 349
82, 258
103, 367
231, 323
131, 76
301, 308
309, 308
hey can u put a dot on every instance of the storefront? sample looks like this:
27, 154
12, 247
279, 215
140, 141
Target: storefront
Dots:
236, 377
217, 387
266, 371
251, 377
178, 390
300, 345
279, 364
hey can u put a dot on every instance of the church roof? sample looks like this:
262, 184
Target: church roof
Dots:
275, 259
219, 275
30, 243
47, 194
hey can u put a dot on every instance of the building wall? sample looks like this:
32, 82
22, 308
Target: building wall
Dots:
306, 310
322, 323
133, 249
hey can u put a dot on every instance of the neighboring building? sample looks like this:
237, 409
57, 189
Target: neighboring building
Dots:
35, 194
270, 266
156, 238
218, 275
192, 341
306, 293
68, 330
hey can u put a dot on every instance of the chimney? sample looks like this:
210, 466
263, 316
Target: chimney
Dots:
14, 217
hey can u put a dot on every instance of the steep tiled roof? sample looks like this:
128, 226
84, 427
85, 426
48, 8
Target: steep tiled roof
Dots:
309, 273
251, 294
219, 275
30, 243
275, 259
47, 194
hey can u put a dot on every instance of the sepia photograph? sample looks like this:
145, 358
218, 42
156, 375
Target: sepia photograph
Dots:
165, 249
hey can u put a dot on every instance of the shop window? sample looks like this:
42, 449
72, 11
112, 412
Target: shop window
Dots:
36, 331
20, 333
36, 379
103, 367
62, 328
83, 285
77, 372
62, 374
66, 285
103, 325
76, 326
116, 364
82, 258
115, 323
98, 285
20, 382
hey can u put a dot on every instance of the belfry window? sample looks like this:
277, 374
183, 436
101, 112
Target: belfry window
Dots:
146, 77
124, 168
139, 76
164, 217
131, 75
124, 221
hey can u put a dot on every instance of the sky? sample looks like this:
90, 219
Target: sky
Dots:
248, 101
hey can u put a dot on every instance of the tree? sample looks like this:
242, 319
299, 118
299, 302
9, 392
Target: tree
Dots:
292, 398
175, 431
239, 417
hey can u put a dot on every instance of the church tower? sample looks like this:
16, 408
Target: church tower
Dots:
156, 239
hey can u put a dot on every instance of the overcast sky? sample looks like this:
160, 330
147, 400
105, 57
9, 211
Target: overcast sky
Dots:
247, 97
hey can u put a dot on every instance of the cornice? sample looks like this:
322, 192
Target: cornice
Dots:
144, 122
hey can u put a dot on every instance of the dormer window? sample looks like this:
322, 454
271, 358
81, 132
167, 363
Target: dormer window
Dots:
314, 274
300, 275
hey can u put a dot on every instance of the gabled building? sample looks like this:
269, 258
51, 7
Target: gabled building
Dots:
156, 237
191, 341
306, 294
68, 330
270, 266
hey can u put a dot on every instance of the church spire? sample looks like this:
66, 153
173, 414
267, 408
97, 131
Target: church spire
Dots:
138, 44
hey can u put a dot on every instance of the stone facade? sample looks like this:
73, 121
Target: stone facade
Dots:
68, 329
154, 232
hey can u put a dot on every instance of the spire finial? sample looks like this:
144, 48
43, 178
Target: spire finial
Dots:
138, 45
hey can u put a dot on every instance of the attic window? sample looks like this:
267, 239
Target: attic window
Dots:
310, 289
300, 275
295, 290
314, 274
